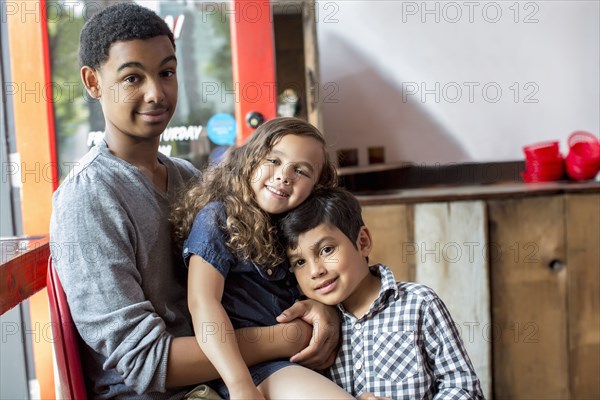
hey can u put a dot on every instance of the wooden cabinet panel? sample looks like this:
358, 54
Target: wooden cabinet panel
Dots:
534, 259
451, 243
529, 298
582, 216
391, 229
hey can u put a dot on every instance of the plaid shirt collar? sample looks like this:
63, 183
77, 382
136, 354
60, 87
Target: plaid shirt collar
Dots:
389, 289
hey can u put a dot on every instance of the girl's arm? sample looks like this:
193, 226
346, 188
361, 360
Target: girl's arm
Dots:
188, 365
214, 331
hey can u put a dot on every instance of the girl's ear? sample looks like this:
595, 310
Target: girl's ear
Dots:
89, 77
364, 241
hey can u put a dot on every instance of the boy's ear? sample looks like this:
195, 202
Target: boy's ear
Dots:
89, 77
364, 241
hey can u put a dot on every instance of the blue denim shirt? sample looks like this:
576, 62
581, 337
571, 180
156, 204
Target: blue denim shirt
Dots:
253, 296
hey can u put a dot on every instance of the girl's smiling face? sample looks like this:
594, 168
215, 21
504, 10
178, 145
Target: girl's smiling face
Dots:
288, 174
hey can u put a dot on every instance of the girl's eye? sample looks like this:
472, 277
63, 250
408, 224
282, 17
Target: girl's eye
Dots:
302, 172
272, 161
168, 74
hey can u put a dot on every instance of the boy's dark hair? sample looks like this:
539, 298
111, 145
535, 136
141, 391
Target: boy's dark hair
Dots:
119, 22
333, 206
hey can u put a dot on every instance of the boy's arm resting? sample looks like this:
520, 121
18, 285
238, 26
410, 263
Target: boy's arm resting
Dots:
453, 371
214, 330
325, 320
188, 365
93, 250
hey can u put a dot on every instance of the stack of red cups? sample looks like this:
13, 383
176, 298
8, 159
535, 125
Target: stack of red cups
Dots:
543, 162
583, 160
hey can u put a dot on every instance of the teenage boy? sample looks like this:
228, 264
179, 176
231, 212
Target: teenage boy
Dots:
110, 232
398, 338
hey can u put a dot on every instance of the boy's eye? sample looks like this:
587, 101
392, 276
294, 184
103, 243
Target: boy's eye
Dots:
327, 250
131, 79
168, 74
298, 264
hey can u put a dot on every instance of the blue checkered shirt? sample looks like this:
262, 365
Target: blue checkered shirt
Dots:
405, 347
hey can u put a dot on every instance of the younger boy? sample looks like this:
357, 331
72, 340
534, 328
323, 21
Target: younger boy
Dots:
398, 338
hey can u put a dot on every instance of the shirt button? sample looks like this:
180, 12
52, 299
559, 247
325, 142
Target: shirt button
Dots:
357, 326
185, 250
358, 366
269, 272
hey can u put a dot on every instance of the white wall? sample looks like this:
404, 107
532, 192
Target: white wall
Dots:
384, 62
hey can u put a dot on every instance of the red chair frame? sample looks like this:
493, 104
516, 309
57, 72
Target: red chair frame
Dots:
65, 340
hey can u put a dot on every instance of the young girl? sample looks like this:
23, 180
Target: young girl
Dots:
238, 274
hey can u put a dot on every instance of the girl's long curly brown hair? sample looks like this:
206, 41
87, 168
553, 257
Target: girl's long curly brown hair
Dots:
251, 232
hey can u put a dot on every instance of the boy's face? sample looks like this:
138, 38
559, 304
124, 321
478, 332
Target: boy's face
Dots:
328, 266
137, 87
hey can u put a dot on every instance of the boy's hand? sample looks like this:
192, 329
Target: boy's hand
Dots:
371, 396
323, 346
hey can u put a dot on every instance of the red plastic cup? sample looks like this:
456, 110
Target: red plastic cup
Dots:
542, 151
581, 136
543, 171
583, 160
543, 162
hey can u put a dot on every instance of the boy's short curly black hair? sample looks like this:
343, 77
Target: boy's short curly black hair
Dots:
119, 22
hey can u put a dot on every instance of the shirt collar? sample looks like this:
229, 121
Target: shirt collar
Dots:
389, 289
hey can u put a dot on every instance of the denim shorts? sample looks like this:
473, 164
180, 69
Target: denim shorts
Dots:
259, 373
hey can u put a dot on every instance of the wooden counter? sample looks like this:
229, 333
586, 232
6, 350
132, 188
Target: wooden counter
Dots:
23, 267
479, 192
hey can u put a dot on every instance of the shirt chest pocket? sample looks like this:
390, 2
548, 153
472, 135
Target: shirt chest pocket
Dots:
396, 355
